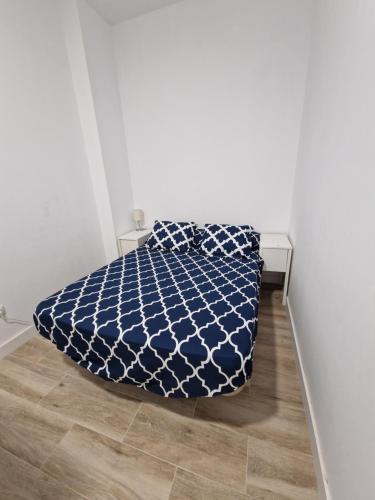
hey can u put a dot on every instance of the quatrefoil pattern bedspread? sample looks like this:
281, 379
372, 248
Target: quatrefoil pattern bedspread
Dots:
177, 324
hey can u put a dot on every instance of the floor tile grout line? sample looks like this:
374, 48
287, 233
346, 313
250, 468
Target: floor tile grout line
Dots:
66, 485
39, 362
247, 463
150, 454
121, 441
35, 363
195, 407
73, 421
175, 466
42, 471
52, 388
19, 458
181, 467
70, 420
219, 425
132, 420
232, 488
56, 445
172, 483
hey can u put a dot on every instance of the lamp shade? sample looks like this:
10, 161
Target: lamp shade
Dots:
138, 215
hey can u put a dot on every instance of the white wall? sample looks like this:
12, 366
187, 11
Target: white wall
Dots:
97, 39
49, 230
332, 289
71, 23
212, 94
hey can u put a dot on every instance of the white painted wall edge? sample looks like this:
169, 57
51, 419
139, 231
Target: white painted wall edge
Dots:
16, 341
309, 410
85, 103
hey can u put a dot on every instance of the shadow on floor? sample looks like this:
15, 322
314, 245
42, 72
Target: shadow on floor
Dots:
256, 403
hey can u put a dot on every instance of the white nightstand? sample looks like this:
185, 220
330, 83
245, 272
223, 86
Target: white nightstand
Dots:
276, 251
132, 240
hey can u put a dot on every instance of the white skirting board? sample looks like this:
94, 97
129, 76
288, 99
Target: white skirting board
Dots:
16, 341
315, 442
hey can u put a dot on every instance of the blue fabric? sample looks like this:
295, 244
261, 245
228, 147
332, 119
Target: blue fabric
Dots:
198, 237
175, 236
177, 324
227, 240
255, 240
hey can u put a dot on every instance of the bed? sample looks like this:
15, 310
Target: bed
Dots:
179, 324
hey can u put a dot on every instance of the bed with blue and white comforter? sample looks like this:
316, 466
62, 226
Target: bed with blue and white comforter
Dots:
177, 324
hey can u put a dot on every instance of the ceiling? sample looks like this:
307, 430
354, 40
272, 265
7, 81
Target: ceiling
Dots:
116, 11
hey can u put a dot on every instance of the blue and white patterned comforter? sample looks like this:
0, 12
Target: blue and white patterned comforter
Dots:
177, 324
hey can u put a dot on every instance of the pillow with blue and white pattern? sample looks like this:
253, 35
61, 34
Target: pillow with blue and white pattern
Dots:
226, 240
198, 237
255, 240
174, 236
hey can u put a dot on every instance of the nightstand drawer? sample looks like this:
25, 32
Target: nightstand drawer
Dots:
274, 259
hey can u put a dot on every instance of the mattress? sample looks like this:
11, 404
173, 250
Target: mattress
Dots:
177, 324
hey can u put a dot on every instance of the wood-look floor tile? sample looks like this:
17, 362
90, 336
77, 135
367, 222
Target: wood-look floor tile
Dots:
281, 470
38, 367
25, 379
27, 430
274, 336
184, 406
189, 486
269, 369
20, 480
279, 359
61, 363
34, 349
101, 468
266, 383
87, 403
259, 416
272, 307
271, 297
256, 493
279, 317
275, 352
199, 447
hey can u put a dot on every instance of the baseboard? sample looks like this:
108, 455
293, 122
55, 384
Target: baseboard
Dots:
320, 470
16, 341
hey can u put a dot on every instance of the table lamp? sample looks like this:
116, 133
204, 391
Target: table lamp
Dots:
138, 218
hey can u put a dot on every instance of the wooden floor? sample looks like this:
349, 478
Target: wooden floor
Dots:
65, 434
